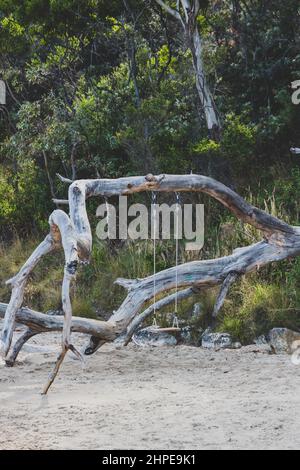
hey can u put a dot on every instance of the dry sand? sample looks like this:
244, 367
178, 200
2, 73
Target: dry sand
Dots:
155, 398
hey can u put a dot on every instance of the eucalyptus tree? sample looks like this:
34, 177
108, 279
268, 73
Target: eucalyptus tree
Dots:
186, 12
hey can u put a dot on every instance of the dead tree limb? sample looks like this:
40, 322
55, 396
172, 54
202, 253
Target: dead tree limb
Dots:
63, 179
69, 242
26, 336
61, 202
73, 234
18, 284
230, 279
43, 323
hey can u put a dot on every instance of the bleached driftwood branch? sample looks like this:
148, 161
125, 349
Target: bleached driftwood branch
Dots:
73, 233
18, 284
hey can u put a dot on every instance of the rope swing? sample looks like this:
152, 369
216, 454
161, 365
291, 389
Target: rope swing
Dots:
176, 235
154, 213
155, 328
175, 325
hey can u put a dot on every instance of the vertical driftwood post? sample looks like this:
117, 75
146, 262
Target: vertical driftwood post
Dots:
69, 242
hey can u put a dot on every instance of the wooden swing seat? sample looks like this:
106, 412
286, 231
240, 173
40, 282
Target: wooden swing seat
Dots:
171, 329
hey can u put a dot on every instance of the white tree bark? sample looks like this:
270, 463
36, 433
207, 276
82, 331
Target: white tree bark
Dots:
188, 19
18, 284
205, 96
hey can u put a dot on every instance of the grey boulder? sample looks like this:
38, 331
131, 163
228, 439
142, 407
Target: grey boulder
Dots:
216, 341
152, 336
282, 340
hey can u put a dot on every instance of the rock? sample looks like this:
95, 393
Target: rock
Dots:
119, 341
261, 340
186, 335
191, 336
216, 340
152, 336
282, 340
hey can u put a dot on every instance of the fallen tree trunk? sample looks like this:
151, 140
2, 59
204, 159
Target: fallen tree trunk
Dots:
43, 323
73, 234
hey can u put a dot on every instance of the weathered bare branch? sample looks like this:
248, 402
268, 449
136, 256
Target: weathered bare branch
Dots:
18, 284
230, 279
169, 10
43, 323
26, 336
185, 183
49, 177
63, 179
61, 202
199, 275
69, 242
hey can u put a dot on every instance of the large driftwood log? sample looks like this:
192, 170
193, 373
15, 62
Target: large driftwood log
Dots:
73, 234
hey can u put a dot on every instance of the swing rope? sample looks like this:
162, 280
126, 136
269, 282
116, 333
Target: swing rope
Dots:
154, 213
175, 318
176, 235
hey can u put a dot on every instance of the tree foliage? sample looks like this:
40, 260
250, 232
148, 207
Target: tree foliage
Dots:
106, 89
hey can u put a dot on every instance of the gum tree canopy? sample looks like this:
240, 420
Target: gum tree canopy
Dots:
73, 233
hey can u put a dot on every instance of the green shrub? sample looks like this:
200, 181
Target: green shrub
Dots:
255, 307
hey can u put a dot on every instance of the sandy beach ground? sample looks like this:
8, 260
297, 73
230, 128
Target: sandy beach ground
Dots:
150, 398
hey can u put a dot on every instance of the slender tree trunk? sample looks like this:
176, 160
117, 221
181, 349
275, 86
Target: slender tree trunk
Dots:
205, 96
73, 162
51, 183
187, 16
